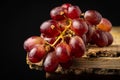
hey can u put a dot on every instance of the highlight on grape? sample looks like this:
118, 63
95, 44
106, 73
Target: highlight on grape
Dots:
66, 35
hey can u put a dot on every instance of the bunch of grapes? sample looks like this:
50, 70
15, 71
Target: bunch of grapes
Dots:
66, 35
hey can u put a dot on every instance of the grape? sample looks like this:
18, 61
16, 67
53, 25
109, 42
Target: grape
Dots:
36, 53
63, 52
77, 46
100, 38
74, 12
93, 17
79, 26
32, 41
51, 62
105, 25
57, 13
89, 32
66, 5
110, 38
49, 28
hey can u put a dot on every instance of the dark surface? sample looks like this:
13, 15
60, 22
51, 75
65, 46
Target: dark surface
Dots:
84, 76
21, 19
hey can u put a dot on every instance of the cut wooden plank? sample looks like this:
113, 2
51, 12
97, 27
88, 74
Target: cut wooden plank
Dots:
106, 62
103, 61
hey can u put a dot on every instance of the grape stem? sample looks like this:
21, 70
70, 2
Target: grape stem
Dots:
61, 35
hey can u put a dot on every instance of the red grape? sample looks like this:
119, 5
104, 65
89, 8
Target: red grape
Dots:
100, 38
63, 52
110, 38
105, 25
74, 12
77, 46
36, 53
51, 62
89, 32
93, 16
32, 41
57, 13
49, 28
79, 26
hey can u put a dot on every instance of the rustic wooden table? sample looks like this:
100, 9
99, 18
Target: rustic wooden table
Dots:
108, 63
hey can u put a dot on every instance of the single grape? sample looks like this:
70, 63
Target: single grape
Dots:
32, 41
110, 38
51, 62
79, 26
100, 38
57, 13
50, 28
105, 25
74, 12
93, 17
36, 53
77, 46
63, 52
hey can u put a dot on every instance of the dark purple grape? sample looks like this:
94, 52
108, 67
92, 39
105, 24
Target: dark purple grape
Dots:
79, 26
77, 46
93, 17
36, 54
63, 52
51, 62
74, 12
110, 38
57, 13
99, 38
49, 28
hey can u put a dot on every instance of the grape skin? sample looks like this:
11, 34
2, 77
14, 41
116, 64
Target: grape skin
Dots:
49, 28
93, 17
77, 46
63, 52
51, 62
36, 54
105, 25
110, 38
99, 38
30, 42
79, 26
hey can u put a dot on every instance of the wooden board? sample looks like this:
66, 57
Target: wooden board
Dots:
98, 61
107, 62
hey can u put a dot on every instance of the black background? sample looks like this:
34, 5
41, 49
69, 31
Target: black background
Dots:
21, 19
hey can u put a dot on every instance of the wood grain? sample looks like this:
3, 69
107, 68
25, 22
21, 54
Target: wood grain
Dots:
102, 61
104, 64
